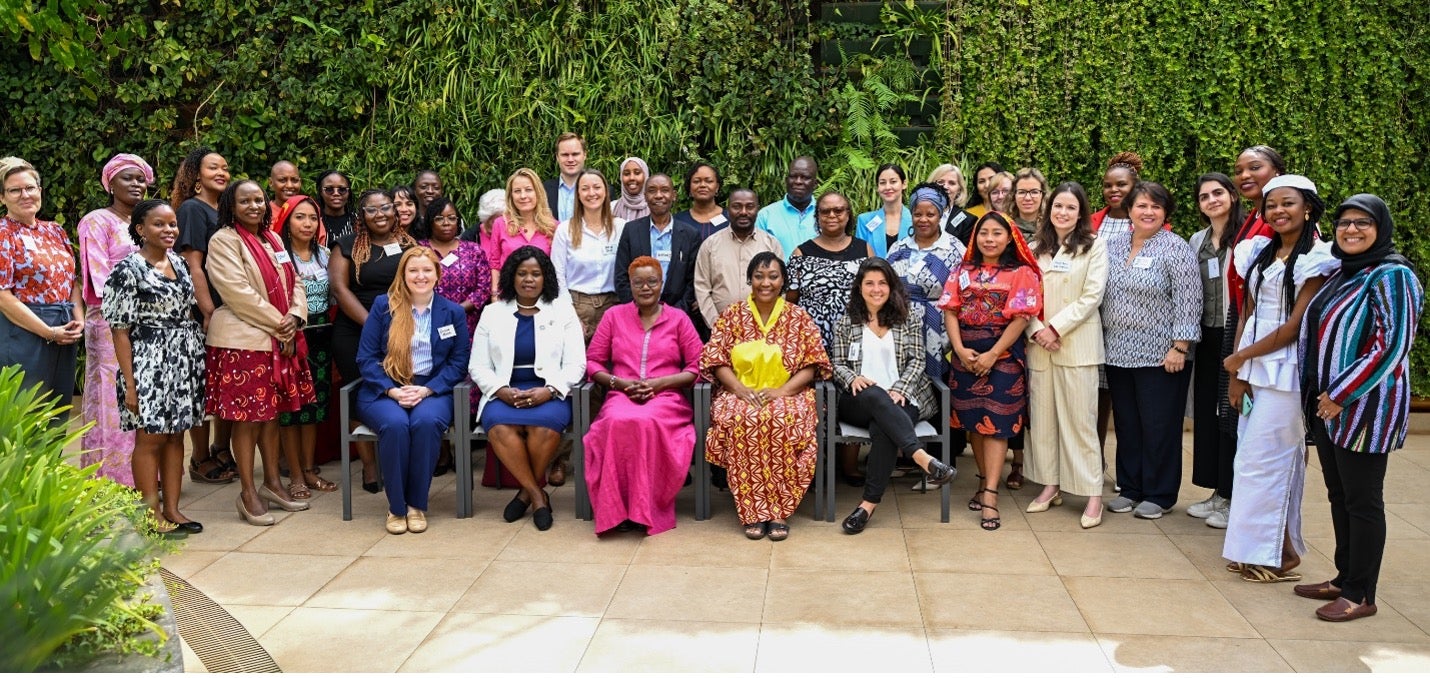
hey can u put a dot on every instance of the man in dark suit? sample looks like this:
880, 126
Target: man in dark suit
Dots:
672, 242
570, 160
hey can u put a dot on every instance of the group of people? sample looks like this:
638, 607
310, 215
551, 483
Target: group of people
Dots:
1043, 317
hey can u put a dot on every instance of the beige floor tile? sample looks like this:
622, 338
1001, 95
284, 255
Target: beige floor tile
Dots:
1317, 522
188, 562
1175, 522
1016, 651
706, 543
550, 589
223, 530
1105, 554
258, 618
1276, 612
1182, 654
475, 540
267, 579
678, 592
823, 648
1162, 607
316, 640
976, 552
1404, 560
831, 597
824, 546
414, 584
570, 541
1409, 599
192, 663
1416, 516
192, 491
923, 511
310, 533
1406, 484
1321, 656
1204, 552
489, 643
1004, 602
637, 645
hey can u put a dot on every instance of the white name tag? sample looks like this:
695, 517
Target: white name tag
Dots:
609, 250
876, 222
963, 281
855, 350
446, 332
663, 257
719, 220
392, 249
449, 259
1061, 266
281, 256
1142, 262
1213, 269
28, 242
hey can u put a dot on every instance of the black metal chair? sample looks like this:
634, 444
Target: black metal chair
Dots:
461, 451
347, 401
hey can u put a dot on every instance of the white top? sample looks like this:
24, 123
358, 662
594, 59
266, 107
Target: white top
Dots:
1279, 369
880, 363
591, 268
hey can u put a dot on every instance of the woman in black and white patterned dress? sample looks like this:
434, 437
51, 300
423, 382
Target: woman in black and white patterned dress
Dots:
822, 269
149, 305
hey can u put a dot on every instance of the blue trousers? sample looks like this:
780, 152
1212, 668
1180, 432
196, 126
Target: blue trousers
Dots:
407, 445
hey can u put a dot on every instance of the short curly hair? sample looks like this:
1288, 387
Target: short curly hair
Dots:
550, 288
141, 211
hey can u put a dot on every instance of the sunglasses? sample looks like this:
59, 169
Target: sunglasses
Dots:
335, 190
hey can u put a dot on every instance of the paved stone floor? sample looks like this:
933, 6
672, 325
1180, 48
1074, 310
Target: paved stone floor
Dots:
909, 594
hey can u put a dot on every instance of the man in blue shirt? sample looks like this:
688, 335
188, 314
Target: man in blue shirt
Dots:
570, 160
791, 220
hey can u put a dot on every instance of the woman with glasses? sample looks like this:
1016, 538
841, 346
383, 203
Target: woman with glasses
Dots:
883, 227
338, 218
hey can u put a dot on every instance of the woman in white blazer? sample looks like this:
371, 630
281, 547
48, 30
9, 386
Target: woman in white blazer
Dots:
527, 357
1063, 356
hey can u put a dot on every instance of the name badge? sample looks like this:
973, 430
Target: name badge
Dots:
663, 257
446, 332
392, 249
876, 222
1061, 266
855, 351
1213, 269
281, 256
719, 220
1142, 262
449, 259
963, 281
609, 250
28, 242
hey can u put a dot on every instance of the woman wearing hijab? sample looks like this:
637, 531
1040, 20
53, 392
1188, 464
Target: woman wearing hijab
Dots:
632, 176
1355, 393
104, 241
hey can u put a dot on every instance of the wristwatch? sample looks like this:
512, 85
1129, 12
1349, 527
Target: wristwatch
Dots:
555, 395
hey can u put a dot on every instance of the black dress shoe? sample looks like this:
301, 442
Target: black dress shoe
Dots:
857, 521
542, 518
515, 509
190, 527
940, 474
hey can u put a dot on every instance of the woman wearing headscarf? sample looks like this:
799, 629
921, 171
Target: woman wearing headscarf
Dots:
104, 241
1355, 393
632, 177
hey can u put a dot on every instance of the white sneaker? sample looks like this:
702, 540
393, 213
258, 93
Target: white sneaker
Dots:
1219, 518
1202, 509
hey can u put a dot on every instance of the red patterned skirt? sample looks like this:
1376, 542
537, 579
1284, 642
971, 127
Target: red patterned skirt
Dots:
242, 387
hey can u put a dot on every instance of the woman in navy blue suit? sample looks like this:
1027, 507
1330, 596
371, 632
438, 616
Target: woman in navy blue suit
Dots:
414, 349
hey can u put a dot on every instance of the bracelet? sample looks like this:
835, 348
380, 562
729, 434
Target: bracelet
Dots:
1179, 349
554, 394
613, 382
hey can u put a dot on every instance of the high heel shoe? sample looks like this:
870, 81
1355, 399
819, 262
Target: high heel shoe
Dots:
974, 504
1040, 506
272, 497
260, 521
1089, 522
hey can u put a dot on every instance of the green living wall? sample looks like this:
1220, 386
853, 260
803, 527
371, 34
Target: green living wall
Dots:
478, 88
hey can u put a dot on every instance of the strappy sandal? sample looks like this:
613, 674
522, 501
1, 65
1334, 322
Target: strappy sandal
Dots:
299, 491
1015, 477
974, 504
317, 482
1234, 567
224, 456
755, 531
1260, 574
993, 523
778, 531
209, 471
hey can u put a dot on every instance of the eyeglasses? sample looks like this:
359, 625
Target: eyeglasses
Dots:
1357, 224
22, 190
373, 211
335, 190
1029, 192
648, 284
833, 211
998, 191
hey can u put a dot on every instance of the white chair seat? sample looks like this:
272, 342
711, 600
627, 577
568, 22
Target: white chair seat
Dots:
922, 429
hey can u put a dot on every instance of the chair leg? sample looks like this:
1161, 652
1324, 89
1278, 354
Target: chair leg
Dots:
347, 480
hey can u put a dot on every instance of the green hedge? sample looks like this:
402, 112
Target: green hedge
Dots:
478, 88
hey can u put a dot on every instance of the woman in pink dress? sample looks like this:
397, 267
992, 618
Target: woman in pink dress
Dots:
103, 242
638, 448
527, 221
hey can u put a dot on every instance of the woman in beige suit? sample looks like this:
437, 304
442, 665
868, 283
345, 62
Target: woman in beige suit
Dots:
1063, 453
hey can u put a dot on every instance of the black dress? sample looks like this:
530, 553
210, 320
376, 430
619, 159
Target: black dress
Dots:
367, 284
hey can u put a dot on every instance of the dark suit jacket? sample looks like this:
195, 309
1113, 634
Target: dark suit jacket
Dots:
553, 198
679, 288
449, 355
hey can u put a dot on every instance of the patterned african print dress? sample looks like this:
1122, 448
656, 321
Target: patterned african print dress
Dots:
769, 451
103, 242
988, 299
924, 272
823, 279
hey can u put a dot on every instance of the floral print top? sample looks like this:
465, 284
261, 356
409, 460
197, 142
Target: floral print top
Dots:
992, 296
37, 262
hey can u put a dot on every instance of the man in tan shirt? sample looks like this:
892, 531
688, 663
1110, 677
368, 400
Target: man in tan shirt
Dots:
720, 265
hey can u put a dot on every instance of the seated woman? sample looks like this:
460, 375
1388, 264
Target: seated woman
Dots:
411, 354
764, 354
527, 356
638, 449
879, 361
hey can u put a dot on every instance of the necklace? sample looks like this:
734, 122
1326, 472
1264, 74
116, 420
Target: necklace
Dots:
524, 307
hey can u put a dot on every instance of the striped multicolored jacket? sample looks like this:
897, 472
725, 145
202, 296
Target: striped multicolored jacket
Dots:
1361, 353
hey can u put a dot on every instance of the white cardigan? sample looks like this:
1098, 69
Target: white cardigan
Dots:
560, 347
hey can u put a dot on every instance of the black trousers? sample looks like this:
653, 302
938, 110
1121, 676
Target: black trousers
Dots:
1213, 447
1354, 484
1148, 404
891, 430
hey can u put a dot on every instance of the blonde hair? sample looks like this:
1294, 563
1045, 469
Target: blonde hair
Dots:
398, 363
1030, 173
1007, 201
579, 215
545, 222
948, 168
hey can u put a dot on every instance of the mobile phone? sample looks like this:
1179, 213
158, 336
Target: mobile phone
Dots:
1246, 405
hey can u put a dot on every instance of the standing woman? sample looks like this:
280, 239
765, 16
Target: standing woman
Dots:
299, 226
950, 177
1355, 390
923, 262
104, 241
256, 364
702, 185
1030, 191
892, 222
1213, 447
41, 304
981, 202
987, 303
466, 278
631, 205
1123, 172
148, 303
409, 215
361, 269
527, 221
822, 268
1282, 274
338, 217
1064, 357
1151, 315
584, 251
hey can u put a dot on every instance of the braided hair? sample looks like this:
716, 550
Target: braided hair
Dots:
362, 240
187, 178
1129, 161
1310, 234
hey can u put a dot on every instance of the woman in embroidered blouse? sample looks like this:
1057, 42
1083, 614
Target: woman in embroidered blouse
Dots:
584, 251
42, 307
765, 355
1151, 315
527, 221
466, 278
987, 303
104, 241
638, 448
148, 304
299, 226
1355, 392
892, 222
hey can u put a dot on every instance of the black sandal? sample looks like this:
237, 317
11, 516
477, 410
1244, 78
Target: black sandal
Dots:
210, 471
755, 531
974, 504
993, 523
778, 531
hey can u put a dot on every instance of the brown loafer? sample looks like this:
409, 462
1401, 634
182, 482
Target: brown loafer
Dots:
1322, 591
1342, 610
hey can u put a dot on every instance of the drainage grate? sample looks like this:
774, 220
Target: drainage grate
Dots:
212, 633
